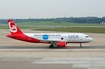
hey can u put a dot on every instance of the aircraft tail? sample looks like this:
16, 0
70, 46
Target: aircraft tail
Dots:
14, 29
16, 33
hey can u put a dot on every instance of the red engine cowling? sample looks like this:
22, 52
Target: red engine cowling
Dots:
61, 44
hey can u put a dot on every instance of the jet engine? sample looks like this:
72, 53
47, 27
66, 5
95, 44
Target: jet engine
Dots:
61, 44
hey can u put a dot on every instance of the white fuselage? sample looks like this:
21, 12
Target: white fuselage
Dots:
67, 37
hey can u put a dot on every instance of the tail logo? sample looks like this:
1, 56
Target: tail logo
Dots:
13, 27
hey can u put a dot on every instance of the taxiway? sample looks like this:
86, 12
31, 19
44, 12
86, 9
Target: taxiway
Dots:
16, 54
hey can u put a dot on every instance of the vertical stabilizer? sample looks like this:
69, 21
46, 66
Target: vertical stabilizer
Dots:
14, 29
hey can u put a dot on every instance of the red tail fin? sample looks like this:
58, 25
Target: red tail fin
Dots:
14, 29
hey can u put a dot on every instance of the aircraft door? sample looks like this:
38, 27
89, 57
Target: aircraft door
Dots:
80, 38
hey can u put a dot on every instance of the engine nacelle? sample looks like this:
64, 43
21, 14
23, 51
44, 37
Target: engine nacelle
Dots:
61, 44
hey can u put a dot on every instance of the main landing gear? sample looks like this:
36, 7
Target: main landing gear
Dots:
51, 46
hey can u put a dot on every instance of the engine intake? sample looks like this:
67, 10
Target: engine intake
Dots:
61, 44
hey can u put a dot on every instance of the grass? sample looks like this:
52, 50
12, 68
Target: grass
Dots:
66, 27
77, 29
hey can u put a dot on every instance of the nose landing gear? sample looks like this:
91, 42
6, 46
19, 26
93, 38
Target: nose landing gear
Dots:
80, 45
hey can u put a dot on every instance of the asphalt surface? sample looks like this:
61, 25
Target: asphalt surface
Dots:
46, 47
16, 54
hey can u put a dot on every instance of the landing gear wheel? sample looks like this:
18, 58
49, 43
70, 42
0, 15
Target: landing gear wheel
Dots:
80, 45
51, 46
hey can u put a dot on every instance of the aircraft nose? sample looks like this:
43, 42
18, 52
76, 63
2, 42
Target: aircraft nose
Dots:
90, 39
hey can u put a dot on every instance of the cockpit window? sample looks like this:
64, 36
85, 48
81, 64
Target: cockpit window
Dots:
86, 36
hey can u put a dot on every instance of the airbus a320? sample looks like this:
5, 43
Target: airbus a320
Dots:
54, 39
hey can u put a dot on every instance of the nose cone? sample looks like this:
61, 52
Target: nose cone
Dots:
90, 39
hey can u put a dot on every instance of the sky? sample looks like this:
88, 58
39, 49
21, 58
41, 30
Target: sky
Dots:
51, 8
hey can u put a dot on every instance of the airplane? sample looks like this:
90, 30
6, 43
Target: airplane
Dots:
54, 39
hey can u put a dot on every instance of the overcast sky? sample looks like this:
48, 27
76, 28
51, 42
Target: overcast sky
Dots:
51, 8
